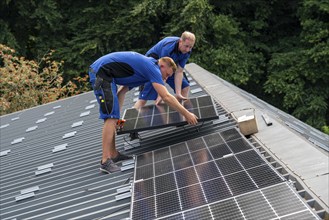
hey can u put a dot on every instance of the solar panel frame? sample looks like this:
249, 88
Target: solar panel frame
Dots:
160, 183
146, 210
167, 202
144, 189
227, 209
192, 196
240, 183
161, 154
218, 151
160, 116
186, 177
162, 167
199, 186
248, 203
199, 213
207, 171
178, 149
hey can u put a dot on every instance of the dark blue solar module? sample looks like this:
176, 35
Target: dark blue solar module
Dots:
218, 176
160, 116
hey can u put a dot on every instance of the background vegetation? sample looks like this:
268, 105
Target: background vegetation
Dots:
275, 49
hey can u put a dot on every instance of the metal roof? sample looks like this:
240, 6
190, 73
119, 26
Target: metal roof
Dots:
50, 153
292, 147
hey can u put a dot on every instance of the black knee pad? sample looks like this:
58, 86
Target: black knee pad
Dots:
106, 101
98, 83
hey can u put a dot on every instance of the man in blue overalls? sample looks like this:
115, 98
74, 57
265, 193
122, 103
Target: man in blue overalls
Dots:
129, 69
179, 49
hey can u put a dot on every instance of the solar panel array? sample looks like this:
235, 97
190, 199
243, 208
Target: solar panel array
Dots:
159, 116
218, 176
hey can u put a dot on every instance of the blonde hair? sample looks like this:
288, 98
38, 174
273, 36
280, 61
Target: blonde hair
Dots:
170, 62
188, 35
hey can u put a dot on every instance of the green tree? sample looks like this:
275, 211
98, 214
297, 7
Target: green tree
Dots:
6, 35
299, 75
36, 25
96, 28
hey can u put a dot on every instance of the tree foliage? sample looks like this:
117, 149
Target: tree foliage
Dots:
277, 50
26, 83
298, 75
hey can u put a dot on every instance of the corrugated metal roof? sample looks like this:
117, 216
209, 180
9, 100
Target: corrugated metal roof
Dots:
56, 163
68, 181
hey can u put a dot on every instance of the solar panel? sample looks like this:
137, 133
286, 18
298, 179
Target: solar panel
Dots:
159, 116
167, 203
217, 176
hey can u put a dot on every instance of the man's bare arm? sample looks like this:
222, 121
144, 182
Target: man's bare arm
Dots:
178, 82
172, 102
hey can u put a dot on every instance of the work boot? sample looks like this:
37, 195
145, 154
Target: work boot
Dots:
109, 167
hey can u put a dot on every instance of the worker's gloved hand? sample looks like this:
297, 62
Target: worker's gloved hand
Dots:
120, 123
